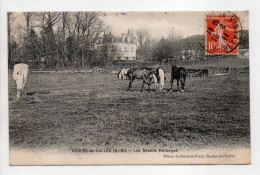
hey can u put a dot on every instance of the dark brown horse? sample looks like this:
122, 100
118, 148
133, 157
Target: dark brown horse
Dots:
143, 73
178, 73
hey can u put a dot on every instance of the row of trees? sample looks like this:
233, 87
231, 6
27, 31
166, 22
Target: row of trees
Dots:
64, 40
67, 40
172, 47
60, 39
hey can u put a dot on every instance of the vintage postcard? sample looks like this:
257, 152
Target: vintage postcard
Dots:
110, 88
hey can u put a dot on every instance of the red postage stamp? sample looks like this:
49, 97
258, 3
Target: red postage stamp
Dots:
222, 34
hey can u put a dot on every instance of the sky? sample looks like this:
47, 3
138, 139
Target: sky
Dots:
163, 23
157, 23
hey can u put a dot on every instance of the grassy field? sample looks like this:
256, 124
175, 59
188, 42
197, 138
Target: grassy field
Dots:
96, 110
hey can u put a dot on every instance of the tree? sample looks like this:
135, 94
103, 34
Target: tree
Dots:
61, 39
244, 41
32, 48
144, 41
10, 19
108, 51
49, 45
28, 18
13, 48
84, 28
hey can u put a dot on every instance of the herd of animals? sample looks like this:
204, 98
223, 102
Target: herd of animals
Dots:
197, 72
154, 75
148, 75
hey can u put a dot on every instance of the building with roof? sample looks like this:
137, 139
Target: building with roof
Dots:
118, 47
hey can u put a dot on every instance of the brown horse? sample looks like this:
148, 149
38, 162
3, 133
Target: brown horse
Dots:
178, 73
144, 73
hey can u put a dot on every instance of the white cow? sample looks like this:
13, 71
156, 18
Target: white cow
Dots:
20, 75
122, 74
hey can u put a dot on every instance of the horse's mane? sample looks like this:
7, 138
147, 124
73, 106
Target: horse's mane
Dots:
147, 68
174, 68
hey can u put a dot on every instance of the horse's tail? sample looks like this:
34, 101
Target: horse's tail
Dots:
118, 74
157, 73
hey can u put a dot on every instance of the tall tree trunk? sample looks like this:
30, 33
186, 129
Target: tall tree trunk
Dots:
64, 43
9, 37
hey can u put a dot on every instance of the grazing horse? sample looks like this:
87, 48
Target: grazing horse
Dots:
191, 72
194, 72
178, 73
122, 74
198, 72
144, 73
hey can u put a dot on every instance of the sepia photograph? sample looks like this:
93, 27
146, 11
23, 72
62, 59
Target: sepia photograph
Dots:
128, 87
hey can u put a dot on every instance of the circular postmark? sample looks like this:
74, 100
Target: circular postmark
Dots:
223, 31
